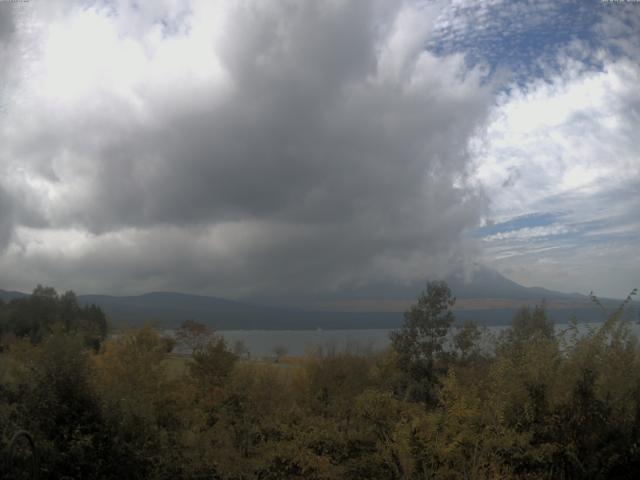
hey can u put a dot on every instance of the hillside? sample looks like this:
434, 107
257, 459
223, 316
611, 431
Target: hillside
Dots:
169, 309
8, 295
488, 298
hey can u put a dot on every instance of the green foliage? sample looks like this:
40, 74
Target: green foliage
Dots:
212, 363
541, 405
334, 380
49, 389
426, 324
467, 342
35, 317
419, 344
145, 412
528, 326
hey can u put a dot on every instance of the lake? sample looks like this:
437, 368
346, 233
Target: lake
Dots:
261, 343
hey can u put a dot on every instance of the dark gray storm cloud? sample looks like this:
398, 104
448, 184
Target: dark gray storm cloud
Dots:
6, 218
6, 56
252, 147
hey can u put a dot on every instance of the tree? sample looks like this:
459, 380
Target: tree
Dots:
212, 363
419, 343
528, 325
3, 322
194, 334
56, 403
466, 340
144, 410
36, 315
332, 381
93, 324
426, 324
279, 351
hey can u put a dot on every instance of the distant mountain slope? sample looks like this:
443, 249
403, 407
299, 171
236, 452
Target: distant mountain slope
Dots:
487, 297
481, 283
8, 295
169, 309
485, 282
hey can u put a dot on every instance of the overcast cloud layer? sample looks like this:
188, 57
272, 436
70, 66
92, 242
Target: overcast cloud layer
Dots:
236, 147
249, 148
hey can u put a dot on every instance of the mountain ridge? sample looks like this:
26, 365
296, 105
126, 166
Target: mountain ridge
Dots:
489, 298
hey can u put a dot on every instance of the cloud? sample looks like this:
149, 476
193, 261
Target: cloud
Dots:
571, 138
237, 147
527, 233
573, 133
617, 27
248, 148
7, 56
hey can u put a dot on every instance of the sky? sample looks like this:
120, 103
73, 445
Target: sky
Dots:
247, 149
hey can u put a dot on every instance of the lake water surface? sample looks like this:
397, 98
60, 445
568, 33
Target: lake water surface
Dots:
261, 343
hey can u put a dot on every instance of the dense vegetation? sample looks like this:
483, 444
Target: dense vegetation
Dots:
437, 404
34, 317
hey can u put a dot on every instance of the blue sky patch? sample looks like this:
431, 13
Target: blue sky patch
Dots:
540, 219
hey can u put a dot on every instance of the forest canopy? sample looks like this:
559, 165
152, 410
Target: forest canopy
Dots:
443, 401
36, 315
